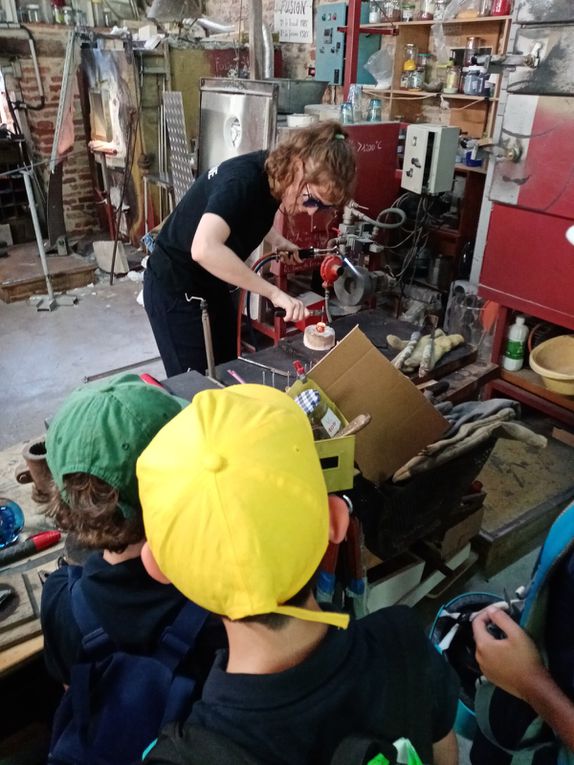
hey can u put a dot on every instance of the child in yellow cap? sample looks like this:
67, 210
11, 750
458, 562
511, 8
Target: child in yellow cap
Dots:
238, 518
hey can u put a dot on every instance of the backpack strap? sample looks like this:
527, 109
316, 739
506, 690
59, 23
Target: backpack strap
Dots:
206, 747
361, 750
179, 638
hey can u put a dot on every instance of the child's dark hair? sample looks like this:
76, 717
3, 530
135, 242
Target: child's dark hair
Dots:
328, 159
277, 622
91, 512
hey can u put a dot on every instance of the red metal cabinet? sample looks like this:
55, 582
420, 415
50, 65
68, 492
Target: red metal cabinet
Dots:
530, 264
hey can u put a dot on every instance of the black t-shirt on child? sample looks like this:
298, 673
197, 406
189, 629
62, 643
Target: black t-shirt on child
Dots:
381, 677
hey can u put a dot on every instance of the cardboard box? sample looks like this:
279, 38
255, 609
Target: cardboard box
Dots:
359, 379
459, 535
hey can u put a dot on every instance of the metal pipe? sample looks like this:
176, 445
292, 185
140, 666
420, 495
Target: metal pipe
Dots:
268, 52
38, 233
210, 25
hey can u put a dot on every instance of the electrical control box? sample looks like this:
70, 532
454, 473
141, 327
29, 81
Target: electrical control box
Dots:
430, 154
330, 44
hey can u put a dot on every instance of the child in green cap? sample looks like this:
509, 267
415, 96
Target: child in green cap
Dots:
92, 447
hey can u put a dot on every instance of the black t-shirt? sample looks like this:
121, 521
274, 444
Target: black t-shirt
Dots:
238, 191
381, 677
133, 609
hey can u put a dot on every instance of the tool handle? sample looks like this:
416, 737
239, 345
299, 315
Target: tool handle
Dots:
357, 423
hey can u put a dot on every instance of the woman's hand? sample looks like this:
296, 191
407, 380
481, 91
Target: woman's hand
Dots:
294, 308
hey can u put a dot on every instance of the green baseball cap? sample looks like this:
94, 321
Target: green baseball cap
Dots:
102, 428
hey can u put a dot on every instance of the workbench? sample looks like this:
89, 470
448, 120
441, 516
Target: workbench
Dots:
20, 632
459, 367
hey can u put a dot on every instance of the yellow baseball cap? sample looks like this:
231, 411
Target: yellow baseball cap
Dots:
235, 505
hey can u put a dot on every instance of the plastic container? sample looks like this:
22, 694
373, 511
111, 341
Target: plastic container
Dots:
11, 522
452, 82
553, 360
513, 358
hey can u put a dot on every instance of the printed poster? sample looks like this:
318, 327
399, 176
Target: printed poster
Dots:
294, 20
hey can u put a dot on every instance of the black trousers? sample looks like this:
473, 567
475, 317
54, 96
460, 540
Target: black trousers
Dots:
178, 332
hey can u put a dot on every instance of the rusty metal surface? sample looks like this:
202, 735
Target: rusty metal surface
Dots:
549, 11
555, 73
542, 128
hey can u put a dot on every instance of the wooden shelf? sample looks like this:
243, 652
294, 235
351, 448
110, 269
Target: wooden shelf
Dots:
390, 24
531, 382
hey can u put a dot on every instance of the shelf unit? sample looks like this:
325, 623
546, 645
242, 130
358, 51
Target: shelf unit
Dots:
473, 115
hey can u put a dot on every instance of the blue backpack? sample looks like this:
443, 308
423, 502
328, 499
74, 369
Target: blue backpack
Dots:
506, 725
117, 702
531, 739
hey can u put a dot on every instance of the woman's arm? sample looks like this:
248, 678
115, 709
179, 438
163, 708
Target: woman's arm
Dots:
209, 250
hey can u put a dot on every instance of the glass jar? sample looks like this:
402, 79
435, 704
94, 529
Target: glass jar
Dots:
58, 12
391, 10
33, 13
347, 113
440, 9
452, 82
374, 113
416, 79
470, 50
485, 7
427, 10
408, 11
410, 57
375, 14
424, 62
68, 16
501, 8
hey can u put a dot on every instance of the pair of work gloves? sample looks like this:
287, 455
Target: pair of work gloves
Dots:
422, 349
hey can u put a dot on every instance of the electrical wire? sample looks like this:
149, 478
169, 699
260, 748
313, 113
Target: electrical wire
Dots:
245, 300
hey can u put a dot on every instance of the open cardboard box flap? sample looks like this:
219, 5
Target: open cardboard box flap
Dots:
359, 379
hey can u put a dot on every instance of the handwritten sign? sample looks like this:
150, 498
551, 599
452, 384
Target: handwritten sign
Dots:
294, 20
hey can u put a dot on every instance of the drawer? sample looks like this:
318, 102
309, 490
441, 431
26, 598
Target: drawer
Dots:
528, 264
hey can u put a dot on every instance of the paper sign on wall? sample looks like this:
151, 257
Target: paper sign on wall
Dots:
294, 20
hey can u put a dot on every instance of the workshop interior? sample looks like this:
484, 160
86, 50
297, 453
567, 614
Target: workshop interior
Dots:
435, 362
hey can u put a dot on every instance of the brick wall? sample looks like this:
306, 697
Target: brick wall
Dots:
78, 196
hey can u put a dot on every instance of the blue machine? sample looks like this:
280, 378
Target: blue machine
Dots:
330, 44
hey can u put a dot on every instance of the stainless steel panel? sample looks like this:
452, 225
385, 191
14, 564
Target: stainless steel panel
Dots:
236, 117
294, 95
554, 76
545, 11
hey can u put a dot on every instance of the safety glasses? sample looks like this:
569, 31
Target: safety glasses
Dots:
313, 202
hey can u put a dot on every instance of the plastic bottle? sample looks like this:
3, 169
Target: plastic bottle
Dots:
324, 421
513, 358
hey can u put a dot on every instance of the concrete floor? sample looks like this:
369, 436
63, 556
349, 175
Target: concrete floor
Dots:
43, 356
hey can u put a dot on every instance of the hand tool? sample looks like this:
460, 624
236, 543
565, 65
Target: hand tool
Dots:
236, 377
280, 313
357, 423
263, 366
32, 545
